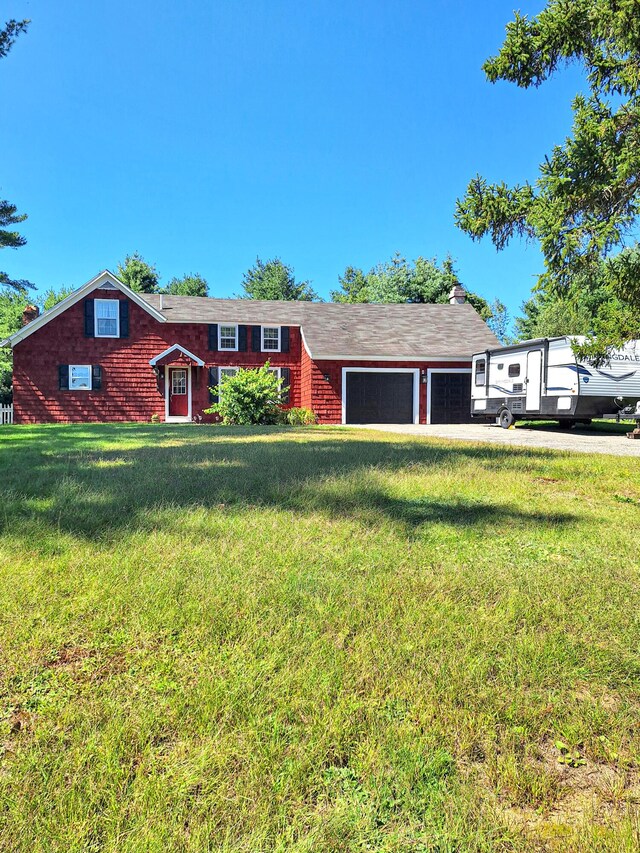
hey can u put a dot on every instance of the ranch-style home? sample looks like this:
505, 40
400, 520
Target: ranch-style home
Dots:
106, 353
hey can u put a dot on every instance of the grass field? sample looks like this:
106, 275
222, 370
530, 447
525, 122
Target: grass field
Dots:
315, 640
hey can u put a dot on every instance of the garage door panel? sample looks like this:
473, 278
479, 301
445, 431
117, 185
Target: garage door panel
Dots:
451, 398
379, 398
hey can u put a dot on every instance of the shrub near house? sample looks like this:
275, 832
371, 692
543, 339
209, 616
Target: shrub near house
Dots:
249, 397
107, 353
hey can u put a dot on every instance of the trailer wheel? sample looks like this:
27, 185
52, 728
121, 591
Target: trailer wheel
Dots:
505, 418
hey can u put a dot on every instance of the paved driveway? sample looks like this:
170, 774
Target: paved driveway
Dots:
583, 440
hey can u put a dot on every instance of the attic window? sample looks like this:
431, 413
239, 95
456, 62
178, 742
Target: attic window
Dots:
107, 318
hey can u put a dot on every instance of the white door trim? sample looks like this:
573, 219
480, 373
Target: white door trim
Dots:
176, 419
416, 385
431, 370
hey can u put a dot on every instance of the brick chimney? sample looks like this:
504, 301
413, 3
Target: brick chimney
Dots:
30, 313
458, 295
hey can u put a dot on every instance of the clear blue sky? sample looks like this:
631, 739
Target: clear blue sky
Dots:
204, 133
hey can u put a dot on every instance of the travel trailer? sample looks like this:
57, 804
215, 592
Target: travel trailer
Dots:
543, 380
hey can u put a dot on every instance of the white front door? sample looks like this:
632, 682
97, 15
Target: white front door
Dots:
534, 380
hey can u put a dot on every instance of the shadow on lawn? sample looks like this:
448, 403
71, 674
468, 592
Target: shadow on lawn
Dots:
61, 477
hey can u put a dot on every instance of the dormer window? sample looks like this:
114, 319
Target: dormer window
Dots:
107, 318
271, 338
228, 337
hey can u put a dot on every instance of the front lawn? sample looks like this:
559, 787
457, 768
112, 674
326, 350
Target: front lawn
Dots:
315, 640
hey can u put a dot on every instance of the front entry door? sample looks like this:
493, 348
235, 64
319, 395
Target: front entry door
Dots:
178, 393
534, 380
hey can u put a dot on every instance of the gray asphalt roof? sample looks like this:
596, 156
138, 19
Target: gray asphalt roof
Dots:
361, 331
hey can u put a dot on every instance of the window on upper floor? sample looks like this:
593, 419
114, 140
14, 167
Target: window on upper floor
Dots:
228, 337
271, 338
107, 318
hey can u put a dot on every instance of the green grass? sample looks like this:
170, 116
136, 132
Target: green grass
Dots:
314, 640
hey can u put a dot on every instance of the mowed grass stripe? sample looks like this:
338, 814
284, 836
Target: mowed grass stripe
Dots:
314, 639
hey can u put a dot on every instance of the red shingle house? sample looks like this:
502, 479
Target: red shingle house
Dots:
106, 353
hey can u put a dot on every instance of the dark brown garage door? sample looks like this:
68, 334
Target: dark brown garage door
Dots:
379, 398
450, 398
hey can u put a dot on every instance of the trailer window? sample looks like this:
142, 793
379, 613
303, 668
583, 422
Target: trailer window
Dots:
481, 366
514, 370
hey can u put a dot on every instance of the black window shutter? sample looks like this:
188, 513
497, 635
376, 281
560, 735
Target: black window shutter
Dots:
256, 335
89, 322
284, 339
63, 377
124, 318
242, 338
213, 336
213, 381
285, 374
96, 377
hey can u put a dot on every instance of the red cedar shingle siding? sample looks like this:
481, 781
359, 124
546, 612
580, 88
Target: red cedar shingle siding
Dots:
130, 390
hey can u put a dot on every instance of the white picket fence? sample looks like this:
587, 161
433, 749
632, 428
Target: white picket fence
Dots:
6, 415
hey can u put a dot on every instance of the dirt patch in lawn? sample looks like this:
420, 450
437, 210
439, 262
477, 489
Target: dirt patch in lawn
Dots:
591, 793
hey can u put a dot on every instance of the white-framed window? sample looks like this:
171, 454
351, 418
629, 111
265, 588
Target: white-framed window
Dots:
107, 318
80, 377
228, 337
225, 371
271, 338
228, 371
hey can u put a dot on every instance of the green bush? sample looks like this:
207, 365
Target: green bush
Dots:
299, 416
251, 396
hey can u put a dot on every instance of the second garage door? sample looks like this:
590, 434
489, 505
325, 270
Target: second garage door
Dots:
450, 398
379, 398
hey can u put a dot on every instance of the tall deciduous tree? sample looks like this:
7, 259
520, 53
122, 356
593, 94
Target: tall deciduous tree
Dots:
137, 274
189, 285
586, 200
275, 280
9, 238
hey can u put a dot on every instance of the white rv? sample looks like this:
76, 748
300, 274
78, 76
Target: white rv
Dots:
543, 380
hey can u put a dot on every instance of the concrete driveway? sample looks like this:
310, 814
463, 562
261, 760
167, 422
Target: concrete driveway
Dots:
582, 440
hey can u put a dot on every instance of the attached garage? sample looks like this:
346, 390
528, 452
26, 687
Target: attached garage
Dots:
373, 396
449, 397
